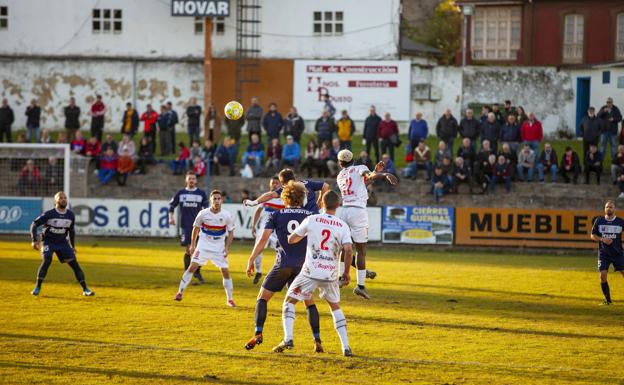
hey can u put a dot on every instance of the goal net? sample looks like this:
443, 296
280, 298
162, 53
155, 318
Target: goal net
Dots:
34, 170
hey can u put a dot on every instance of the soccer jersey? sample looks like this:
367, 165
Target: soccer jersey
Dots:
271, 206
352, 185
611, 229
326, 235
191, 201
56, 226
283, 223
214, 228
312, 186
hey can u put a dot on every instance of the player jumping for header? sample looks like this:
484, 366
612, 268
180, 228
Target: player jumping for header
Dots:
215, 228
288, 260
352, 181
260, 217
57, 224
328, 237
607, 231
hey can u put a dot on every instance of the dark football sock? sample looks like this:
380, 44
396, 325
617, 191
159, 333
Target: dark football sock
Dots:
605, 290
80, 277
261, 314
43, 270
315, 321
187, 261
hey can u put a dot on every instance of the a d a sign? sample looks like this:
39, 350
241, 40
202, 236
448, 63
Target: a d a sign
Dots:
200, 8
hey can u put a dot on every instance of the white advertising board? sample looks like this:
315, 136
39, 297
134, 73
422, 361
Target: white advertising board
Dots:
353, 86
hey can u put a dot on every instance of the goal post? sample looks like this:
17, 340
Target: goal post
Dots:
34, 170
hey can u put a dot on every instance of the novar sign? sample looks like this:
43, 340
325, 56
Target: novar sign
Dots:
200, 8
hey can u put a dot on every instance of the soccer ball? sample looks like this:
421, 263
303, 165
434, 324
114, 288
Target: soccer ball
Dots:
233, 110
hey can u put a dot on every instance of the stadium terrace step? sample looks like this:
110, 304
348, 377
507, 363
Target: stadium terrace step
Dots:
159, 183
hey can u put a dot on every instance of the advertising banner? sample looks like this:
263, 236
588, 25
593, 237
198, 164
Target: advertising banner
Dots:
418, 225
524, 227
16, 214
200, 8
353, 86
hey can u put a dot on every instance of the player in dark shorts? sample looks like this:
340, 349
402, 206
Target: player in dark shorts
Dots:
191, 200
288, 261
607, 231
285, 176
58, 224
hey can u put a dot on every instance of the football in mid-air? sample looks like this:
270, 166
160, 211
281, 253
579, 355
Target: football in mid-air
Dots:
233, 110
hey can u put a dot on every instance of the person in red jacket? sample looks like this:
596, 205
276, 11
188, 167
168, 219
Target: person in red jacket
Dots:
531, 132
108, 166
388, 132
29, 178
97, 112
178, 165
93, 148
150, 117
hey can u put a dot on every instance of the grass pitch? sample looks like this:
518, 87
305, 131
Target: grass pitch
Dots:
441, 317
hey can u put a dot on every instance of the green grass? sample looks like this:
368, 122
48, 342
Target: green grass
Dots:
439, 317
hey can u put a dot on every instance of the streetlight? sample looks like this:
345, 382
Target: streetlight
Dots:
467, 11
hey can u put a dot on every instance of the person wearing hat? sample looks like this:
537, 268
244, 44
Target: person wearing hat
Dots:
352, 182
611, 117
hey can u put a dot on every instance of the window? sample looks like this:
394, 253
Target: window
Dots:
573, 36
619, 37
4, 17
606, 77
496, 33
106, 20
328, 23
218, 26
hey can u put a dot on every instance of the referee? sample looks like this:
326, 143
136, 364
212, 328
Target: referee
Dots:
191, 201
607, 231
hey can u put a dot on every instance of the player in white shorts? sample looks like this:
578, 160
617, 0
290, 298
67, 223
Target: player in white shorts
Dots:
352, 181
215, 229
260, 217
327, 236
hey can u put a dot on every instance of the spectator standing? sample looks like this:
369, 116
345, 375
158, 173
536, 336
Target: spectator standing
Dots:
164, 125
611, 117
46, 138
212, 123
532, 132
521, 115
109, 143
470, 128
173, 121
422, 161
570, 164
274, 156
468, 153
591, 128
273, 122
126, 146
526, 163
329, 106
254, 155
418, 130
234, 128
130, 120
178, 165
294, 125
253, 117
345, 130
72, 118
548, 162
78, 145
146, 155
371, 132
311, 161
108, 166
325, 128
491, 132
447, 128
389, 135
6, 121
510, 133
485, 112
332, 161
125, 165
149, 119
593, 163
193, 122
29, 179
225, 155
98, 111
33, 122
498, 114
291, 153
508, 111
617, 164
501, 173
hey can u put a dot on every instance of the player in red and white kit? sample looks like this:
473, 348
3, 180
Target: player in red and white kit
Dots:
352, 182
327, 236
260, 217
215, 229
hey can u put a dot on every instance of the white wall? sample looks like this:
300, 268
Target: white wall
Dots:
63, 27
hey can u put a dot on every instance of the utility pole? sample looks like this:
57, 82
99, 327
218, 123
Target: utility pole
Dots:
208, 82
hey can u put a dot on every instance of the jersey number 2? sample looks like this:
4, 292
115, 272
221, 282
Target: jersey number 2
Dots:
347, 190
326, 234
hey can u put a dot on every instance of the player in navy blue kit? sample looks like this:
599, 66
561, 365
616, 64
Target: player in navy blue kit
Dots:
285, 176
191, 201
607, 231
57, 224
288, 261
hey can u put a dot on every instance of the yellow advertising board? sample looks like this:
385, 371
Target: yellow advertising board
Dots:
524, 227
